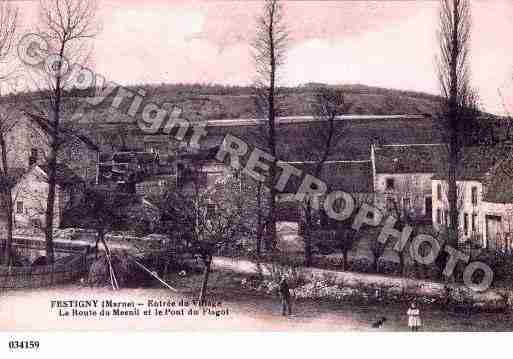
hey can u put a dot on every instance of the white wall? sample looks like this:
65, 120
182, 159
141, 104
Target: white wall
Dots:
414, 186
465, 206
32, 190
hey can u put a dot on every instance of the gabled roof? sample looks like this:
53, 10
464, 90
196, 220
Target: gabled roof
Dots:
348, 176
414, 158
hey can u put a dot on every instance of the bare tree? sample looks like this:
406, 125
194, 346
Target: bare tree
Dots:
269, 54
329, 103
8, 119
210, 220
67, 26
7, 180
460, 100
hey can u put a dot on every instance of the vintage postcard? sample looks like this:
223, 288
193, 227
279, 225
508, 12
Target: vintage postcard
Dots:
268, 166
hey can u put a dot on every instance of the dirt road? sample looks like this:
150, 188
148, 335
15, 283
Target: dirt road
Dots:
32, 310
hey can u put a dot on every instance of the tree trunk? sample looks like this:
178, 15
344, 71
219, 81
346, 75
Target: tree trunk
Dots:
207, 261
9, 239
453, 197
401, 262
345, 253
308, 235
272, 135
50, 205
259, 221
101, 238
453, 125
8, 203
52, 163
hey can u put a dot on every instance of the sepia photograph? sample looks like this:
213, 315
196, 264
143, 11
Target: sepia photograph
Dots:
255, 166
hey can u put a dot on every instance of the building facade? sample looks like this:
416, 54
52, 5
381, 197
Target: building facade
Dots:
31, 192
484, 200
402, 179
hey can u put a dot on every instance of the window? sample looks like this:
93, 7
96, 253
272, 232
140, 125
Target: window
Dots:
439, 191
19, 207
37, 223
439, 216
33, 156
389, 184
465, 223
474, 222
474, 195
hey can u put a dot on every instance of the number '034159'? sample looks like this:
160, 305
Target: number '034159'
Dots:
23, 344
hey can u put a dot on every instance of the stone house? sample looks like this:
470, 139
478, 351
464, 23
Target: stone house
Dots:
29, 145
402, 178
31, 191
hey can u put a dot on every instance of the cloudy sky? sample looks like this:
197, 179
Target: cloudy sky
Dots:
379, 43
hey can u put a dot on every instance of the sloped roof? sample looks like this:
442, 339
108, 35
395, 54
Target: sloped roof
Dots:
66, 133
475, 164
499, 184
417, 158
64, 175
348, 176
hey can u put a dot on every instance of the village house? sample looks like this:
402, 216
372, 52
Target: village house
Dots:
484, 200
402, 178
27, 153
31, 191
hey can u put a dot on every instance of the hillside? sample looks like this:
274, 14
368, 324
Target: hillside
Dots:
111, 129
206, 102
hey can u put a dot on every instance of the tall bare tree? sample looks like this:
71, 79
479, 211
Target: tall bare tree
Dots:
328, 104
8, 119
459, 109
269, 54
68, 26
